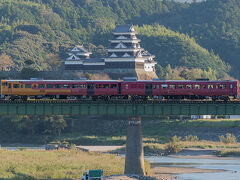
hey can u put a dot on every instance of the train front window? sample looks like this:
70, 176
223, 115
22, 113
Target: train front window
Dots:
41, 86
231, 86
15, 85
4, 84
28, 85
50, 86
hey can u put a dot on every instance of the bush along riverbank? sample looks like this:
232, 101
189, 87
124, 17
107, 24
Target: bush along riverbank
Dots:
226, 146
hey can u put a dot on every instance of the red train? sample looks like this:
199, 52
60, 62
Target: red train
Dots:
113, 89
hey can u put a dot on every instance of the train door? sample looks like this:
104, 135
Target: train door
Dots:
148, 89
90, 89
119, 88
9, 87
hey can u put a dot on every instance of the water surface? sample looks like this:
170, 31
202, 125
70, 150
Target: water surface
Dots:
232, 167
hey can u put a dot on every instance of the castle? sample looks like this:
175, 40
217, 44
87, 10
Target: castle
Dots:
125, 56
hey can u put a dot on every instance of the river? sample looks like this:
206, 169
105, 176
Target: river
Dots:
231, 167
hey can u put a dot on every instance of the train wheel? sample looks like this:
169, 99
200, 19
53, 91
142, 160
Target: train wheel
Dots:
24, 98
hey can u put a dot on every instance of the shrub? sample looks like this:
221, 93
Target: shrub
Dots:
230, 138
191, 138
174, 145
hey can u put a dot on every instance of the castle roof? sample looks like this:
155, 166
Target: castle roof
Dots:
124, 28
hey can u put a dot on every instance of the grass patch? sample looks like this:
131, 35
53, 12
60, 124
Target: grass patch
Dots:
61, 164
229, 152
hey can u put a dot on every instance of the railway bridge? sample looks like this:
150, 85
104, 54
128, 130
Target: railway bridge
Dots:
134, 160
141, 108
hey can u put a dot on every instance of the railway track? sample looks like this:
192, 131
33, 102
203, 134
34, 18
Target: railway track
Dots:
118, 102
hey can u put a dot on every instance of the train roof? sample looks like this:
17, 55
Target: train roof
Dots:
84, 80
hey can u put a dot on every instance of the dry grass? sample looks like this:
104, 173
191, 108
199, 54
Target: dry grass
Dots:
208, 144
163, 149
28, 164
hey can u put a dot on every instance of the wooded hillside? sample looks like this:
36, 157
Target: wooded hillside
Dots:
203, 35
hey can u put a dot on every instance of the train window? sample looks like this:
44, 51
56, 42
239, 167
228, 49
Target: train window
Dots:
157, 86
58, 86
9, 85
4, 84
172, 86
126, 86
74, 86
49, 85
204, 86
84, 86
180, 86
66, 86
34, 86
222, 86
15, 85
106, 86
231, 86
28, 86
21, 86
210, 86
197, 86
100, 85
164, 86
41, 86
113, 86
81, 86
189, 86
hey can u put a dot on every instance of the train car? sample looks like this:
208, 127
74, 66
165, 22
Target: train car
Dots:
198, 89
173, 89
59, 89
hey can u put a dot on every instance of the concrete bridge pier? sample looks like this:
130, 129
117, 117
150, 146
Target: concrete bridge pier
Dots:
134, 160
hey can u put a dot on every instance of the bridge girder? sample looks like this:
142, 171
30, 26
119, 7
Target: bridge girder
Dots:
119, 108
